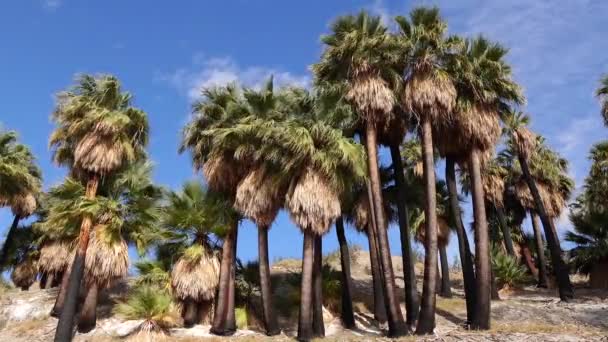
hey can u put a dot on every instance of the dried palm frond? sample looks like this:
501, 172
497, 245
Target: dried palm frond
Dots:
443, 232
370, 94
479, 126
432, 95
55, 257
362, 215
222, 173
259, 197
312, 203
196, 275
99, 153
525, 140
522, 191
23, 205
107, 258
24, 274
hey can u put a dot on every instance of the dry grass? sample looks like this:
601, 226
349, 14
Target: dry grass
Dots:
312, 203
453, 304
26, 327
543, 328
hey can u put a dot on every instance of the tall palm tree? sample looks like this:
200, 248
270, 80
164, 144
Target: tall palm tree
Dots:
429, 95
602, 94
524, 142
361, 56
98, 131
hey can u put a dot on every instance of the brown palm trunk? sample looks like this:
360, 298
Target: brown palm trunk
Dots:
318, 327
204, 311
483, 280
412, 302
63, 289
55, 279
305, 332
379, 307
466, 258
426, 321
65, 324
9, 239
43, 280
446, 288
221, 308
561, 271
396, 325
506, 231
88, 313
540, 251
190, 312
347, 314
270, 320
230, 313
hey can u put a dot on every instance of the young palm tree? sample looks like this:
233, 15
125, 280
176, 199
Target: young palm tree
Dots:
602, 94
525, 144
194, 214
98, 132
361, 55
22, 255
429, 95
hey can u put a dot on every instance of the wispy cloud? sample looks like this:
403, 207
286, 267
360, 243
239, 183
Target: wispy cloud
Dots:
52, 5
213, 71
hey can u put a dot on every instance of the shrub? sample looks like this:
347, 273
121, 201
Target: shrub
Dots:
507, 270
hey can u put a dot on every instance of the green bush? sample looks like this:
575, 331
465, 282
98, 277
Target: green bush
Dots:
241, 317
507, 270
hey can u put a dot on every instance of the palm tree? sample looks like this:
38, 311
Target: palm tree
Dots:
360, 55
22, 255
429, 95
20, 183
525, 145
194, 215
154, 306
98, 132
602, 94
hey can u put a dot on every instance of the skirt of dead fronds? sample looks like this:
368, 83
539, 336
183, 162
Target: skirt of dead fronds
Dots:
259, 197
222, 173
430, 94
55, 257
196, 278
99, 153
494, 188
370, 94
525, 140
443, 232
392, 131
23, 205
553, 202
107, 260
361, 215
478, 126
149, 331
24, 274
312, 202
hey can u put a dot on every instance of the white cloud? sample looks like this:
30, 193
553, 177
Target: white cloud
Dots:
572, 136
52, 4
206, 72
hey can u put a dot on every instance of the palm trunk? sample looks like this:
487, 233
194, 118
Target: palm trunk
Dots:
483, 280
305, 332
204, 311
466, 259
506, 232
55, 279
412, 302
438, 283
270, 320
230, 313
396, 325
60, 300
426, 321
347, 314
318, 327
561, 271
540, 251
190, 312
9, 239
43, 280
88, 313
379, 308
221, 308
65, 325
446, 288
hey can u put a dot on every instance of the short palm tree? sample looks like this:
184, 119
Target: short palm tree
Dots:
22, 255
602, 94
360, 55
524, 143
429, 96
98, 132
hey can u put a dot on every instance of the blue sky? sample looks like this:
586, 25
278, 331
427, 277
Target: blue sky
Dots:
164, 52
